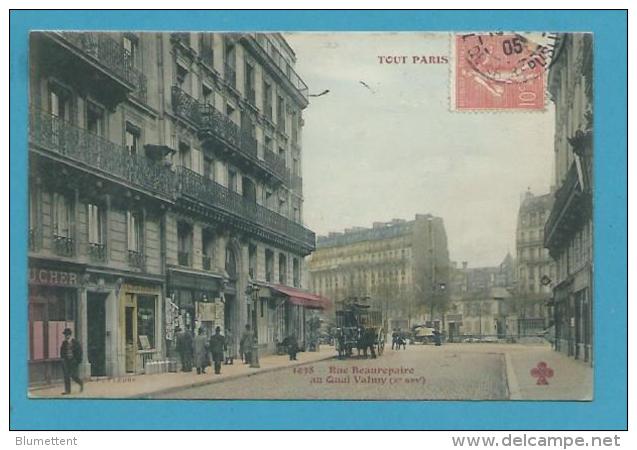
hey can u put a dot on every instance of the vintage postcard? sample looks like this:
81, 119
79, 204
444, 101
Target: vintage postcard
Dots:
296, 215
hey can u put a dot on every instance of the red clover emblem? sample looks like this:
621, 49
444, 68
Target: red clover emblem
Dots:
542, 372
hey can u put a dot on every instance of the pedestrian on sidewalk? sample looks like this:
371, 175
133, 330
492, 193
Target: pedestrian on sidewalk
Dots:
71, 354
184, 348
201, 351
292, 347
229, 347
217, 342
246, 342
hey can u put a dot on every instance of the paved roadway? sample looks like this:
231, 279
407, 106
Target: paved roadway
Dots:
421, 372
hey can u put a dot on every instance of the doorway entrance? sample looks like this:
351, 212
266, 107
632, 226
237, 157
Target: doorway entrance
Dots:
96, 333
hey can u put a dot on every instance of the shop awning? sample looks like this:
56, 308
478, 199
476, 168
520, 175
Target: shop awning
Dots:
302, 298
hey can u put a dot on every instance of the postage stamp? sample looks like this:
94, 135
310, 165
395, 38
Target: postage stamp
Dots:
499, 71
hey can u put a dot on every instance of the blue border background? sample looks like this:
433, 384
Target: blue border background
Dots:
607, 411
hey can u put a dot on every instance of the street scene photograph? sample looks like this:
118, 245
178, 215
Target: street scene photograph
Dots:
310, 215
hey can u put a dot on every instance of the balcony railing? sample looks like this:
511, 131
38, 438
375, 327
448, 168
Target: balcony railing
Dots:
275, 163
81, 146
209, 120
109, 53
207, 191
206, 262
63, 245
183, 258
136, 259
97, 251
564, 208
230, 75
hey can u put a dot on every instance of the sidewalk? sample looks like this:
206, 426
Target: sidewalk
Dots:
141, 386
571, 379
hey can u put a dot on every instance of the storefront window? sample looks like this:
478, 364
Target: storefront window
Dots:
50, 312
146, 321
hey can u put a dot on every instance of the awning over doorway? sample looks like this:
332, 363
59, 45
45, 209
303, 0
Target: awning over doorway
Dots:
302, 298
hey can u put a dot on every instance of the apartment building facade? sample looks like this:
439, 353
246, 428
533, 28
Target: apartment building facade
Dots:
568, 232
402, 266
165, 189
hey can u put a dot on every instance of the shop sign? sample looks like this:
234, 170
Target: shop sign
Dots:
49, 277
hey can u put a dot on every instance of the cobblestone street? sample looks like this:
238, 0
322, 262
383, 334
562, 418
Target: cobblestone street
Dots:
426, 372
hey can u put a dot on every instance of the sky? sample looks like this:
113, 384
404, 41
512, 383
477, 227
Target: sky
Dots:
395, 148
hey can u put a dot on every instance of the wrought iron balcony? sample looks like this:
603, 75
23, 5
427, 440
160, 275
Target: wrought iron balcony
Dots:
83, 148
569, 207
276, 164
136, 259
198, 187
208, 120
109, 55
230, 75
97, 251
63, 245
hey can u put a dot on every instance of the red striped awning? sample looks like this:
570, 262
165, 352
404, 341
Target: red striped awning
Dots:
302, 298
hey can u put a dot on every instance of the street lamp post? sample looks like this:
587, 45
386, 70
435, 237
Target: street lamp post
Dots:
253, 290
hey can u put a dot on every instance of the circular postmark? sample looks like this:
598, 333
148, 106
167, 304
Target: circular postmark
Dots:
511, 57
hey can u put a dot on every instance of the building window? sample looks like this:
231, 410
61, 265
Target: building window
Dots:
95, 222
207, 95
133, 134
230, 111
94, 119
208, 168
181, 77
207, 49
207, 243
131, 45
232, 180
269, 266
283, 269
185, 157
249, 84
280, 114
267, 100
134, 227
60, 102
296, 273
64, 244
34, 217
252, 261
146, 321
231, 264
184, 243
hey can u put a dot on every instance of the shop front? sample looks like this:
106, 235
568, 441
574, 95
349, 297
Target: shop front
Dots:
53, 306
195, 300
140, 326
283, 312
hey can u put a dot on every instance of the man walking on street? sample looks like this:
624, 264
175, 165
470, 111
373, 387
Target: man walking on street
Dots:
229, 347
217, 342
71, 354
201, 351
184, 348
247, 339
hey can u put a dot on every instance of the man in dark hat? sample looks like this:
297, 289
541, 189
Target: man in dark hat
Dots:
217, 342
185, 349
71, 354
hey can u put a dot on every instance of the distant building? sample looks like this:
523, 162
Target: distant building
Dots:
402, 265
568, 233
535, 268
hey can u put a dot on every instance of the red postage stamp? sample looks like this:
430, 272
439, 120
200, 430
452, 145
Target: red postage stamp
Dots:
498, 71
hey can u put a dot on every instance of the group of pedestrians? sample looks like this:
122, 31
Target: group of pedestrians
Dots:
201, 351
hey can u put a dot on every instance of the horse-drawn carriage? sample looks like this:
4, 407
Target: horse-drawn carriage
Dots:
359, 326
